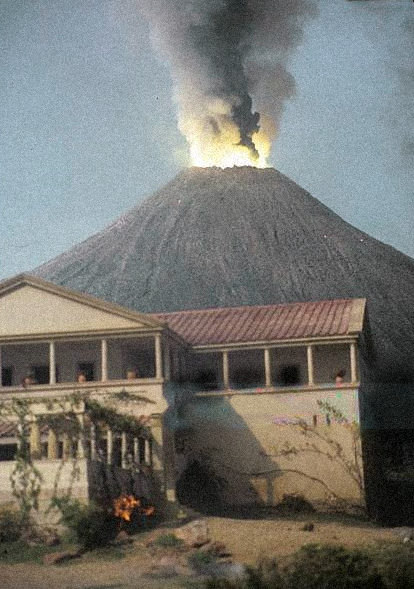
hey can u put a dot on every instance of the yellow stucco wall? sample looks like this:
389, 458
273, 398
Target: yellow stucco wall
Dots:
30, 310
247, 436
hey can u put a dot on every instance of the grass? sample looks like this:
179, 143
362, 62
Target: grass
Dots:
19, 552
168, 541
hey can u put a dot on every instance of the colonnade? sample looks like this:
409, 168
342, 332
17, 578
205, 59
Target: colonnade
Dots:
88, 444
310, 365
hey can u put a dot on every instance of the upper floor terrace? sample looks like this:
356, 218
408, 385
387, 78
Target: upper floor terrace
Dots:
56, 341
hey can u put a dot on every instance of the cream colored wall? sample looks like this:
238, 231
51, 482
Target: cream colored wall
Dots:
153, 391
29, 310
52, 471
245, 434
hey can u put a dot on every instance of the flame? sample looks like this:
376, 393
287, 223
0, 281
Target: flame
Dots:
125, 505
219, 144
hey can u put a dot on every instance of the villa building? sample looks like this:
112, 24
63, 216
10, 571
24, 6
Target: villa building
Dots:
238, 384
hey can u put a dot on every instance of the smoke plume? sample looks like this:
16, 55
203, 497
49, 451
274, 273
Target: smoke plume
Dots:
227, 59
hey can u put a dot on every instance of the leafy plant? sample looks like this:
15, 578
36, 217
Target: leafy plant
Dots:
200, 560
325, 566
168, 541
92, 525
200, 486
321, 442
10, 525
25, 478
295, 504
395, 563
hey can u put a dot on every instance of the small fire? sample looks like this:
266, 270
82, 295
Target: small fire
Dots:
126, 504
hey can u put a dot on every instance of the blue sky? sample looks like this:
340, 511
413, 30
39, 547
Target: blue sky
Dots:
88, 127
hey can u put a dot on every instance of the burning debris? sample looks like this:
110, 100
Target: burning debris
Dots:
126, 505
222, 55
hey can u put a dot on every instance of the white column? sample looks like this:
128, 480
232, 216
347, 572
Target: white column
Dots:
309, 351
226, 382
124, 450
167, 363
35, 443
52, 363
353, 361
109, 446
67, 446
81, 437
1, 370
158, 356
147, 452
93, 441
136, 451
104, 360
268, 367
52, 445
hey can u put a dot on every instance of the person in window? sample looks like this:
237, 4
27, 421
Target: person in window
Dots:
339, 378
132, 374
28, 380
81, 377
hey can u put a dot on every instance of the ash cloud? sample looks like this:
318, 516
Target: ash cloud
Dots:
227, 59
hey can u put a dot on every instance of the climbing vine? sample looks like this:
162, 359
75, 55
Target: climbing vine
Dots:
25, 477
61, 415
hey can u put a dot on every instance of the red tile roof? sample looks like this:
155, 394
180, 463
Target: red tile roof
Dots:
267, 322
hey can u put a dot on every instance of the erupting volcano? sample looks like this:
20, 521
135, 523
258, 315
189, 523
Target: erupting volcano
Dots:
241, 236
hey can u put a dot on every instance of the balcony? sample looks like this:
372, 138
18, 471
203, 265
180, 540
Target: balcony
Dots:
63, 367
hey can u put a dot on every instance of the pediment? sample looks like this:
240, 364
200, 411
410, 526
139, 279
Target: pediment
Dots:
33, 307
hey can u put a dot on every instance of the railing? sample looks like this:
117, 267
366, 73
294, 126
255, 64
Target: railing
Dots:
277, 389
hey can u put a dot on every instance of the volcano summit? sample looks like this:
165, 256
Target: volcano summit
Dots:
245, 236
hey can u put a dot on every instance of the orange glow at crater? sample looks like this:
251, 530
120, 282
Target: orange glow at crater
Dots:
221, 146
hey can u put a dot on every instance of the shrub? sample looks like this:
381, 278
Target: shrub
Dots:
200, 560
265, 576
295, 504
323, 567
395, 563
10, 525
92, 524
168, 541
200, 486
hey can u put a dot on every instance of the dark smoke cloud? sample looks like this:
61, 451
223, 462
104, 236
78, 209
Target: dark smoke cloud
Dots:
225, 56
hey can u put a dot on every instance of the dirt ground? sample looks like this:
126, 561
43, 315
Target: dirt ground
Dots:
247, 540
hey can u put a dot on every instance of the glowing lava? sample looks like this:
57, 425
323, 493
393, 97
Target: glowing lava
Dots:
220, 144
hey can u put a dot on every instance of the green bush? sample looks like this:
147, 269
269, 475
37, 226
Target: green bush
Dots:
168, 541
295, 504
200, 560
395, 563
10, 525
326, 567
265, 576
92, 524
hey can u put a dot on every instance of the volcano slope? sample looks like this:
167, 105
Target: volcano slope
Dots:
244, 236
